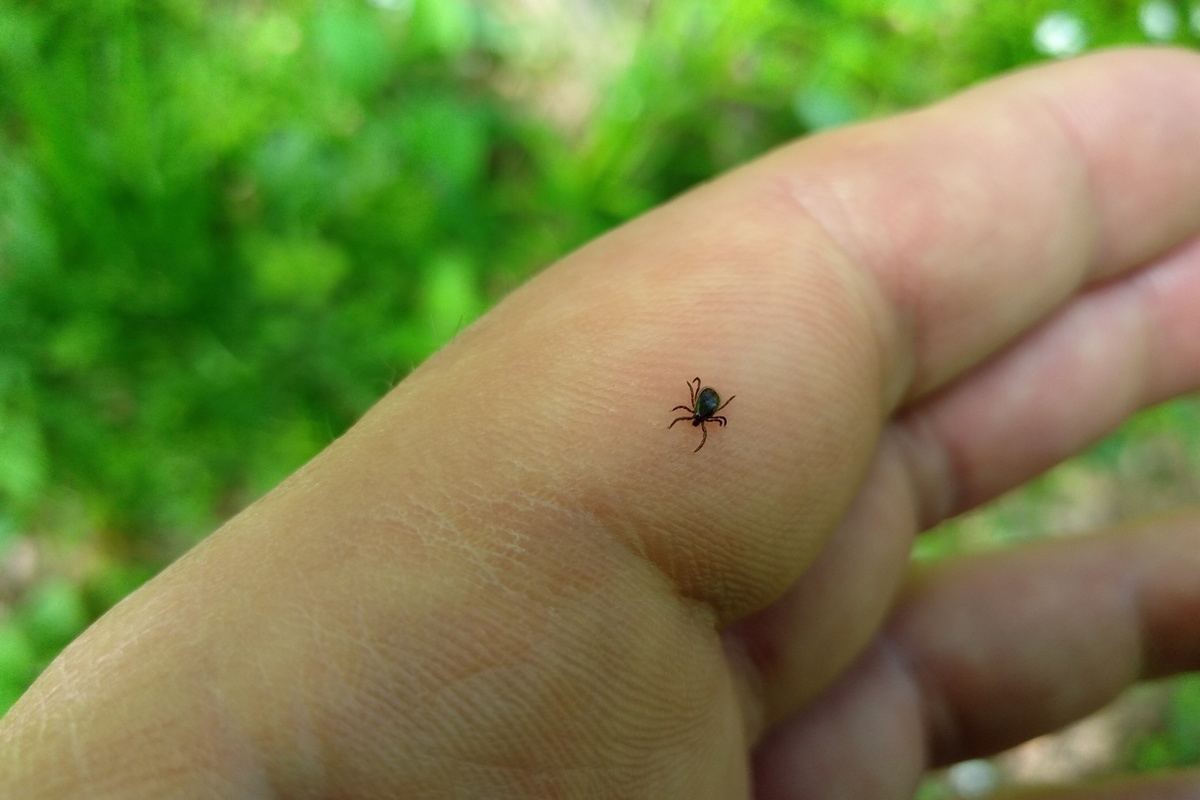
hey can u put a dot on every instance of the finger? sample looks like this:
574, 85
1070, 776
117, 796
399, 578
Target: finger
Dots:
1010, 646
980, 216
1119, 348
988, 651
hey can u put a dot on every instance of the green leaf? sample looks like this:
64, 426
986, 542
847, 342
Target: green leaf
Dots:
445, 27
24, 465
450, 296
18, 663
299, 269
448, 139
353, 47
53, 615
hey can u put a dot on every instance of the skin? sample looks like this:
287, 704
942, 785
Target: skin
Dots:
509, 579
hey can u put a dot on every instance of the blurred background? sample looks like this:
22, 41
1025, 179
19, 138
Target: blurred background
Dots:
226, 229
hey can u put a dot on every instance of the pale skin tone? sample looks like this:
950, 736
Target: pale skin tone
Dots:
510, 579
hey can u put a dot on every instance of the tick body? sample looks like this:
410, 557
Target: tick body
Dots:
705, 404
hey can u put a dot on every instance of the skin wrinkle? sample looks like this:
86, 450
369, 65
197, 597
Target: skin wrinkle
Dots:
559, 512
435, 678
1141, 330
897, 659
916, 257
1139, 142
1134, 584
494, 545
1155, 286
933, 476
1050, 106
945, 733
900, 265
82, 762
1076, 165
939, 721
749, 684
529, 507
872, 309
619, 704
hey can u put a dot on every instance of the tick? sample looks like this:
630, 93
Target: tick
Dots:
705, 404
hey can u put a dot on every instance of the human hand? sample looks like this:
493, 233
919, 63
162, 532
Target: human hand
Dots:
511, 579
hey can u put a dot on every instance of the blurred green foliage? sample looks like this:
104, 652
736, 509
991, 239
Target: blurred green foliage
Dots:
227, 228
1178, 743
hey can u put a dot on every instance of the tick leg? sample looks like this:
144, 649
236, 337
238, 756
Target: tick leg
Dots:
694, 391
719, 420
703, 438
727, 402
681, 419
683, 408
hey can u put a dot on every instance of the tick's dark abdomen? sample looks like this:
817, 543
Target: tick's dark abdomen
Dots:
707, 403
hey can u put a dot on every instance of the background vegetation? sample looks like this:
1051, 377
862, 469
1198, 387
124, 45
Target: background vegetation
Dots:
227, 228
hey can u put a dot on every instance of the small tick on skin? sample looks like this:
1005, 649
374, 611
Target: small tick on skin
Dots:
705, 404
